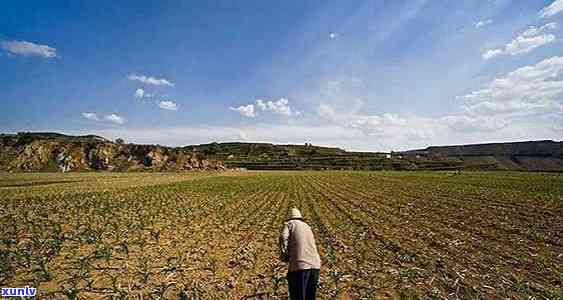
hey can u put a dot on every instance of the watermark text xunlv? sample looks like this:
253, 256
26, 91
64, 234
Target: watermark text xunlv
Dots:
18, 292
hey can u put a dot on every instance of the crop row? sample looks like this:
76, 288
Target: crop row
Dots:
214, 236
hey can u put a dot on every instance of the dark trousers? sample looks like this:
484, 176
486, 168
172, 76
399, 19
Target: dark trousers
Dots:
303, 284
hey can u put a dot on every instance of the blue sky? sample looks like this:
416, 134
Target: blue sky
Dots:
361, 75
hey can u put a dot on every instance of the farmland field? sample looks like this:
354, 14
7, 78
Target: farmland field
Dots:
214, 235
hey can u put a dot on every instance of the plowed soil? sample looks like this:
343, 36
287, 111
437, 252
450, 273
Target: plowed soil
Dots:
381, 235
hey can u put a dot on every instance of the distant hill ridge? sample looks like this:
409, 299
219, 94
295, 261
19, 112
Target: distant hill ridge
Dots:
527, 148
48, 151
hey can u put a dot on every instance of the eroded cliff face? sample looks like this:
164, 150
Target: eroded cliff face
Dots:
81, 154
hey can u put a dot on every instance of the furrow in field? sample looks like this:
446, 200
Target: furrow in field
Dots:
347, 263
325, 244
494, 197
215, 236
403, 245
497, 233
255, 246
380, 234
364, 206
456, 221
454, 255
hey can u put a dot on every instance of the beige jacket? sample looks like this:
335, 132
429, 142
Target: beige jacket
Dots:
297, 246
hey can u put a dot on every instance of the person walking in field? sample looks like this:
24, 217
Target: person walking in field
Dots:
298, 249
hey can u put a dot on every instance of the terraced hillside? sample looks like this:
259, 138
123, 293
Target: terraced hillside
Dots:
521, 156
214, 235
265, 156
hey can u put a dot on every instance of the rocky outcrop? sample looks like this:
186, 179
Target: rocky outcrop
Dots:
65, 153
32, 156
65, 161
155, 158
100, 158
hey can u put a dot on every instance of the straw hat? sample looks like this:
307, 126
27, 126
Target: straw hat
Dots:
294, 213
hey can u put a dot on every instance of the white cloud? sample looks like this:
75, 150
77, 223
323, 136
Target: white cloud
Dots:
528, 90
168, 105
245, 110
532, 38
401, 132
114, 118
523, 104
25, 48
552, 9
333, 35
139, 93
280, 107
172, 136
260, 104
340, 104
327, 112
270, 133
492, 53
90, 116
533, 30
378, 125
422, 133
522, 44
482, 23
388, 128
149, 80
474, 123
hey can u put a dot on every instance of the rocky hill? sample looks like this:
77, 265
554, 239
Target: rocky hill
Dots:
53, 151
57, 152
